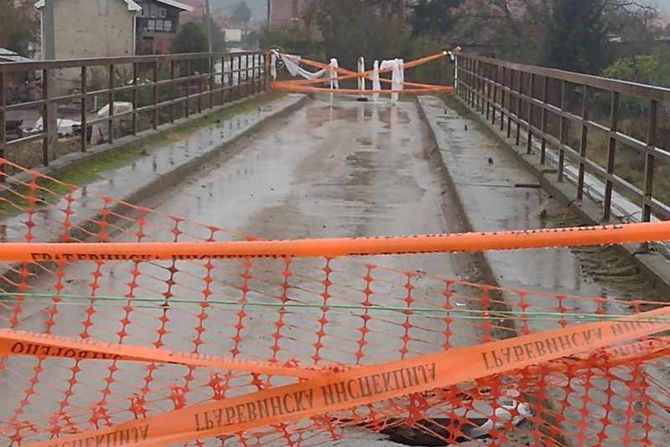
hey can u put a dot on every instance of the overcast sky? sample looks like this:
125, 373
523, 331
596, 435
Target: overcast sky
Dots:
664, 4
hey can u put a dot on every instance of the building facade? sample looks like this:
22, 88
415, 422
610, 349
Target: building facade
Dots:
157, 24
110, 28
93, 28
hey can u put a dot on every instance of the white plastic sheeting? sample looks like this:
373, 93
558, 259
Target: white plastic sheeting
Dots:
293, 66
376, 83
100, 131
397, 67
64, 126
334, 81
292, 63
361, 69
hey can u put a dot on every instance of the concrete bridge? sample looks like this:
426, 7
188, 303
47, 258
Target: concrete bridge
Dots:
506, 152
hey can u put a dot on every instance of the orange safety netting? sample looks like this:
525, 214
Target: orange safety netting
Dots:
300, 351
343, 74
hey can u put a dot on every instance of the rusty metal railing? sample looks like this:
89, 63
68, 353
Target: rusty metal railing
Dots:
191, 82
553, 111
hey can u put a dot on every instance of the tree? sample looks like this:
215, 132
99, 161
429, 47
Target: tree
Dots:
435, 17
374, 29
218, 36
576, 37
18, 25
242, 13
533, 30
190, 39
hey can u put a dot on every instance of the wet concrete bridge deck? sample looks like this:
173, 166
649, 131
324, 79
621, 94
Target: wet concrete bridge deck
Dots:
349, 169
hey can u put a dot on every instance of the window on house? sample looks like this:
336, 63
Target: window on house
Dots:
162, 12
103, 7
151, 25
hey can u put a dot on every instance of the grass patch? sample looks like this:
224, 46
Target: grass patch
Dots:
15, 198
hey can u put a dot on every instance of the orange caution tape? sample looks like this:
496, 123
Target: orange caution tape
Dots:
22, 343
427, 89
366, 385
448, 243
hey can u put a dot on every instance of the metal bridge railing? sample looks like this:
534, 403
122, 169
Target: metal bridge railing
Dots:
156, 90
581, 120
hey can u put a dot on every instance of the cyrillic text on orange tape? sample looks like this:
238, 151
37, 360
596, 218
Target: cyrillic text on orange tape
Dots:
43, 345
447, 243
366, 385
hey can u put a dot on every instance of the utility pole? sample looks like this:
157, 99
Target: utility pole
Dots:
269, 15
50, 121
208, 18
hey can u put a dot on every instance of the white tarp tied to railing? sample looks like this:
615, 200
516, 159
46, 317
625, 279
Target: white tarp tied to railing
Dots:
292, 63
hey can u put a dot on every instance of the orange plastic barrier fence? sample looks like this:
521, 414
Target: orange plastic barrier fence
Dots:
213, 332
307, 85
367, 385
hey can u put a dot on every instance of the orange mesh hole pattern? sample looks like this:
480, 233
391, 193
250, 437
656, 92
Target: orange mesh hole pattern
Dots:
320, 313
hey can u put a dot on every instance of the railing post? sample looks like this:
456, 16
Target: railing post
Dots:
495, 72
583, 144
84, 118
223, 80
478, 85
173, 89
487, 78
240, 84
248, 84
531, 96
257, 78
154, 121
47, 124
135, 97
267, 62
611, 152
261, 78
503, 92
472, 82
518, 109
227, 79
545, 93
188, 88
482, 86
3, 123
200, 89
110, 101
647, 200
211, 81
563, 135
510, 97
